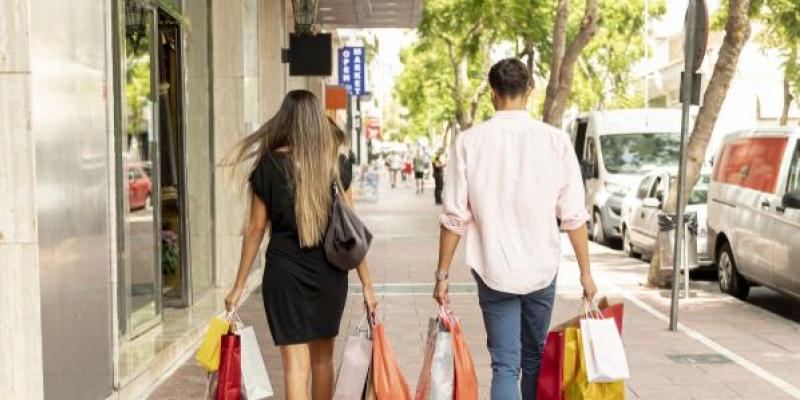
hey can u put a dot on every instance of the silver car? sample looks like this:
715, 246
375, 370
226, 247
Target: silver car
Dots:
754, 211
640, 210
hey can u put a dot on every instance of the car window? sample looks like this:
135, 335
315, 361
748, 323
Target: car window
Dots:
699, 194
636, 152
656, 189
752, 163
134, 173
644, 188
793, 183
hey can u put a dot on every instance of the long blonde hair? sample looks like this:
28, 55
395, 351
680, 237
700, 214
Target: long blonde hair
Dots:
301, 125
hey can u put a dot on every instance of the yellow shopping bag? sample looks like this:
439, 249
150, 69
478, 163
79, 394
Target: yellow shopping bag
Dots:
208, 353
576, 385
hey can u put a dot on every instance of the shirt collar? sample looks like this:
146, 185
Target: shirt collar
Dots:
512, 114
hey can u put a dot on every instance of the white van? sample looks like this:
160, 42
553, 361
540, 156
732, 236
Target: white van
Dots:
616, 149
754, 211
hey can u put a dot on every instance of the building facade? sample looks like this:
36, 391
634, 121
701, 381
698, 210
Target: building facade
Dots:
119, 225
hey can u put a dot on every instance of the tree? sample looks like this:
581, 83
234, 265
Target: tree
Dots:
782, 32
564, 56
737, 32
464, 28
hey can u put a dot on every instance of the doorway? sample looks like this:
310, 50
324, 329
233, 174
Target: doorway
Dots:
151, 168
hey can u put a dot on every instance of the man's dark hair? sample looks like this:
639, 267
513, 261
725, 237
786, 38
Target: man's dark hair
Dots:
510, 78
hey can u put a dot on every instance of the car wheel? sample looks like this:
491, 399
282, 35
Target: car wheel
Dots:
730, 281
598, 235
627, 245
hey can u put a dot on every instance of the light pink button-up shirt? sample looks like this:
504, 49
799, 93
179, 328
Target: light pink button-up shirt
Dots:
507, 181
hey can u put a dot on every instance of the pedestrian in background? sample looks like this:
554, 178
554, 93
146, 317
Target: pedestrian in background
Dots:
395, 163
507, 181
297, 161
419, 171
439, 164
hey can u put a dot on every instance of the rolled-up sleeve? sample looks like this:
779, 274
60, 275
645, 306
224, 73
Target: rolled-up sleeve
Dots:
571, 203
456, 215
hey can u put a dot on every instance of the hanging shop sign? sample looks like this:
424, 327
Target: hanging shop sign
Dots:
351, 70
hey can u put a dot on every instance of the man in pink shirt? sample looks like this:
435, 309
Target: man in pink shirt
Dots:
509, 180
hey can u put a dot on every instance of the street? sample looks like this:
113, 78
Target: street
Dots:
726, 349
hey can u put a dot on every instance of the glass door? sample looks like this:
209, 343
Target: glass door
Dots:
141, 279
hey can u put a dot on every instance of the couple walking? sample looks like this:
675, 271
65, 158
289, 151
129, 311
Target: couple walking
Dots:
509, 180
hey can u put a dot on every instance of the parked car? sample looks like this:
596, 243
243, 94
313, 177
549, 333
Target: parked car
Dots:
641, 208
139, 186
616, 148
754, 211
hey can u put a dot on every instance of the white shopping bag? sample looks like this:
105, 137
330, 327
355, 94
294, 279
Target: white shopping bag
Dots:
354, 369
603, 353
442, 374
255, 381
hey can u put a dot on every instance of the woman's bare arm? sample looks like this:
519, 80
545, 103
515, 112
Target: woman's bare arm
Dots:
251, 242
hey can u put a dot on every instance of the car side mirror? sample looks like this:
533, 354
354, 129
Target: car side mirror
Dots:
792, 200
651, 202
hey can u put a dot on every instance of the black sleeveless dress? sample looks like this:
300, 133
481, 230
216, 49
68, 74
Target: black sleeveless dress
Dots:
304, 295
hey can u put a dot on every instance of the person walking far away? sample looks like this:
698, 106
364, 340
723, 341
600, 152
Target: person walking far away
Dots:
439, 163
419, 171
297, 160
395, 163
508, 180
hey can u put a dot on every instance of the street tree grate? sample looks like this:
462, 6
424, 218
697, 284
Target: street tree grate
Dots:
712, 358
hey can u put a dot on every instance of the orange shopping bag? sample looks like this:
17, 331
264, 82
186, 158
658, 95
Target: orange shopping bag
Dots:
466, 381
388, 379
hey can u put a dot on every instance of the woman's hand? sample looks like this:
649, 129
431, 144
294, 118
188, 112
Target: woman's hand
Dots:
232, 299
370, 301
440, 292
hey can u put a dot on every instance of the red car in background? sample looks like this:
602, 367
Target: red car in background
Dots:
139, 186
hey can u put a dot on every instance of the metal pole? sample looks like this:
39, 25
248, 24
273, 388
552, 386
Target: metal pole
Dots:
686, 99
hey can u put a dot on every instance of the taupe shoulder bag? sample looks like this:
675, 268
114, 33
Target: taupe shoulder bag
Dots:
347, 240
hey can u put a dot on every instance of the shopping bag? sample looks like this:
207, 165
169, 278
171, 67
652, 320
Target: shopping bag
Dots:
424, 379
549, 384
369, 388
576, 385
211, 386
255, 381
209, 351
229, 382
442, 369
354, 368
388, 379
466, 380
604, 353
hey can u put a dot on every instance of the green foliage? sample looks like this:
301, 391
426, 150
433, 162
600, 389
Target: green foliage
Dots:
434, 87
782, 32
603, 78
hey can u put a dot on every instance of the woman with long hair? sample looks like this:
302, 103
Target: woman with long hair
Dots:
296, 163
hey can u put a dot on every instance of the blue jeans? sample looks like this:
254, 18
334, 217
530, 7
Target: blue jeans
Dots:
516, 326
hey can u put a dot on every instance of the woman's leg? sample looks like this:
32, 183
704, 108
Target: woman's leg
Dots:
321, 368
296, 366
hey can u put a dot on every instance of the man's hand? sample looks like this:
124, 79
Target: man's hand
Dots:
440, 292
589, 288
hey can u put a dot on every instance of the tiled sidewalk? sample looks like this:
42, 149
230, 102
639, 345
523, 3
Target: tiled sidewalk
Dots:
664, 365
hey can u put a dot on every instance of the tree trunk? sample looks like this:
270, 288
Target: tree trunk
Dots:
737, 32
787, 100
563, 64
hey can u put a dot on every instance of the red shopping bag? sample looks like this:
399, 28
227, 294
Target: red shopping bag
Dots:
229, 383
550, 382
466, 380
388, 379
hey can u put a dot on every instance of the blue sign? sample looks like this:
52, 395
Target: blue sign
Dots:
351, 70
